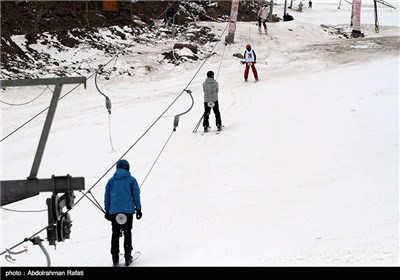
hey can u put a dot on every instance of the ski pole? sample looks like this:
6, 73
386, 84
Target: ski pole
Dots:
198, 124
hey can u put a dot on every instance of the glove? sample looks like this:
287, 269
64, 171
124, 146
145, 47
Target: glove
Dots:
138, 214
107, 216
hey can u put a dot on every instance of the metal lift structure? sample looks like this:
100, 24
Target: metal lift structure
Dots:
59, 223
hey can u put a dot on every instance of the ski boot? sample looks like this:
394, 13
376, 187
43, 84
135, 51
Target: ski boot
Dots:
128, 260
115, 259
206, 129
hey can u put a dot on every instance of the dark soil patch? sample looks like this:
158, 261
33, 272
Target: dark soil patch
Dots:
73, 22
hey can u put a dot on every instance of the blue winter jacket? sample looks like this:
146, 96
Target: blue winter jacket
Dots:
122, 193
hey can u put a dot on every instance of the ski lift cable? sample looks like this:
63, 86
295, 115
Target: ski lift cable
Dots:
176, 122
108, 102
222, 56
25, 103
38, 114
23, 211
158, 118
18, 128
85, 193
109, 169
152, 124
49, 225
223, 51
140, 137
94, 198
151, 168
95, 202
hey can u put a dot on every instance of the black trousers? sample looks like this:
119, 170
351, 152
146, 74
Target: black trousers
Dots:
263, 22
117, 231
207, 111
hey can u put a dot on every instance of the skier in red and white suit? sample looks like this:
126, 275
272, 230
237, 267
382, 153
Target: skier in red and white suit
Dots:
250, 61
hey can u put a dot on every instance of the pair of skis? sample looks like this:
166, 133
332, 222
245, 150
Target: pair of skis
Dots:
204, 132
216, 132
135, 256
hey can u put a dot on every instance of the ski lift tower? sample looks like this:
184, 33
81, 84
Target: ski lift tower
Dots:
15, 190
229, 39
376, 12
271, 10
284, 9
356, 19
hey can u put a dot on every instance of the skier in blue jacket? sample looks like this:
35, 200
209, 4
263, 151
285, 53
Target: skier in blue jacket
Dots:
121, 202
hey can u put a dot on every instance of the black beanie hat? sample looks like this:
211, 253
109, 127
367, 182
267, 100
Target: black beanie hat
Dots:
122, 163
210, 74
